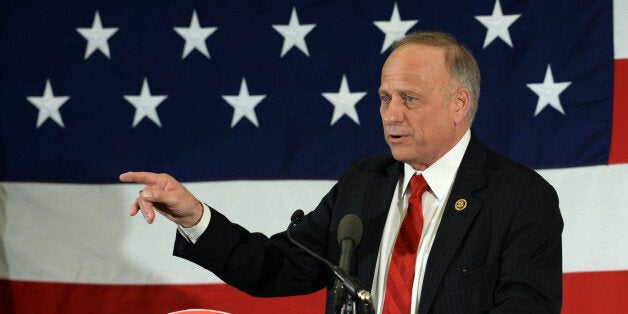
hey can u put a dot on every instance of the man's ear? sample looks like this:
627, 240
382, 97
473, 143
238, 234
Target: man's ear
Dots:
460, 103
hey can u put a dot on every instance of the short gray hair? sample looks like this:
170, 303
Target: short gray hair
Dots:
460, 61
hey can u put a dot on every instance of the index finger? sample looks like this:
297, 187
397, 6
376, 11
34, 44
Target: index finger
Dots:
147, 178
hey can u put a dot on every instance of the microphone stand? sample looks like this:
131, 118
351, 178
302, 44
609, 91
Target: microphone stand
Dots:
349, 306
353, 287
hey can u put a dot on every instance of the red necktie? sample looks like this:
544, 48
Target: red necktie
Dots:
398, 298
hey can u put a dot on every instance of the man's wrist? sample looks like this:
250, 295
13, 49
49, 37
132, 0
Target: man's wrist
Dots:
197, 219
193, 233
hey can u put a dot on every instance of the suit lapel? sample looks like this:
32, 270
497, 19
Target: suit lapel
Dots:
374, 217
455, 222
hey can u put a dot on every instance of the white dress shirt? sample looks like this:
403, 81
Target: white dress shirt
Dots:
439, 176
193, 233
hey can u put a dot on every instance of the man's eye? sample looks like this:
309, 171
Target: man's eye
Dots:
410, 99
384, 98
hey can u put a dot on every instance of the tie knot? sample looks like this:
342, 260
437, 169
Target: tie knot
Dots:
418, 186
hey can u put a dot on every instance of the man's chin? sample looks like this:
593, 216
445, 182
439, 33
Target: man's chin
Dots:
400, 156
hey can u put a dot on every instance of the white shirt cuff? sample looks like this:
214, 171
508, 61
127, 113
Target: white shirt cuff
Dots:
193, 233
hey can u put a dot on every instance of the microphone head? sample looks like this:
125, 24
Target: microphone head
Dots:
350, 227
297, 216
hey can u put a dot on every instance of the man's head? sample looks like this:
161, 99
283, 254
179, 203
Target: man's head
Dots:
429, 94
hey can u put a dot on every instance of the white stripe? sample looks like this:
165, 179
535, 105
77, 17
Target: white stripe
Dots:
595, 211
620, 28
82, 233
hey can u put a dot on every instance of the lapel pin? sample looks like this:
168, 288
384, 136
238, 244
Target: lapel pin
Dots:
461, 204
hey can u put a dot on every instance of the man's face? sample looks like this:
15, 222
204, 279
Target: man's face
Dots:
422, 109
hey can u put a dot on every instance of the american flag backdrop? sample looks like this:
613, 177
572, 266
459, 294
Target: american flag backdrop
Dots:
258, 106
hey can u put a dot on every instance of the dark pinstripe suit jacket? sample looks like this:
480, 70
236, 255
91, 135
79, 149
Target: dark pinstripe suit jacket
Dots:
502, 253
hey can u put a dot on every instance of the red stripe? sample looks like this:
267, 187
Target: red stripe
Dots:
619, 138
599, 292
38, 297
596, 292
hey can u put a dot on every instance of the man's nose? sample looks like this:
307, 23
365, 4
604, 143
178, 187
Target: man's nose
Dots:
393, 113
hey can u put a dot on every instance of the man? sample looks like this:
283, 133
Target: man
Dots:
489, 236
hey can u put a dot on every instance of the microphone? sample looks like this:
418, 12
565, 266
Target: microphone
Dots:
354, 288
296, 218
349, 236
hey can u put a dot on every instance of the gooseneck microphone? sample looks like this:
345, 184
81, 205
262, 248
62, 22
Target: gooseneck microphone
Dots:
353, 287
349, 236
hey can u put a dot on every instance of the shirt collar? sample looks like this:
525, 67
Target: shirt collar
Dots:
440, 175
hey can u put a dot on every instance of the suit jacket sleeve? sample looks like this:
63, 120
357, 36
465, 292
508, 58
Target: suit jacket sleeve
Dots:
266, 267
258, 265
531, 261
